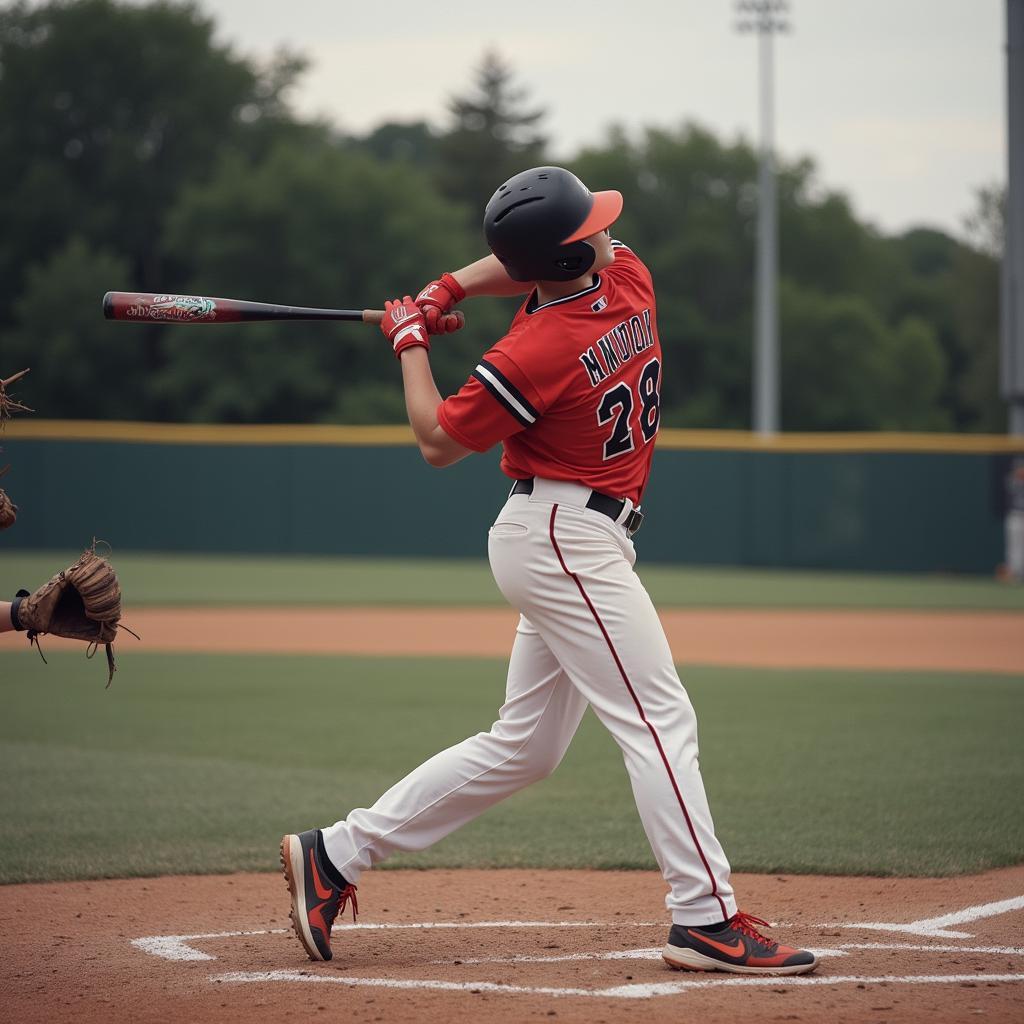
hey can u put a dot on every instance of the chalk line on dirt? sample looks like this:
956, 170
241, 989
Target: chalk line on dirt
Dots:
654, 953
635, 991
178, 947
935, 927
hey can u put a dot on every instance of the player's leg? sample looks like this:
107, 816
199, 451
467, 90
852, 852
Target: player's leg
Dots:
571, 573
541, 713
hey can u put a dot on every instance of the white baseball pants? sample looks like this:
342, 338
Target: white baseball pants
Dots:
588, 634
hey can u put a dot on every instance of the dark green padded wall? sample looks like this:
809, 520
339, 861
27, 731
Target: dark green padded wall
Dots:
870, 511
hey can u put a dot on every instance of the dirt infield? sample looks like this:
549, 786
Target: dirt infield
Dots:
505, 946
951, 641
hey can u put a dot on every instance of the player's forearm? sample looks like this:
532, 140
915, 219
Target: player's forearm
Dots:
421, 401
6, 626
489, 277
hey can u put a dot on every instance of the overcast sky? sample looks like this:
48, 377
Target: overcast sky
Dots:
901, 103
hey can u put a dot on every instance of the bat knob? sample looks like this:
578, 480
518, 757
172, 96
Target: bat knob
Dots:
108, 306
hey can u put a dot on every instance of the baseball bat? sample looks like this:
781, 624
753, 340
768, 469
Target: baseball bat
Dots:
202, 309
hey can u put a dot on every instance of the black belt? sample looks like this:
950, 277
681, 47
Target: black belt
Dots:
611, 507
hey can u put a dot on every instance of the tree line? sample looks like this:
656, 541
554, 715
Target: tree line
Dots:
136, 152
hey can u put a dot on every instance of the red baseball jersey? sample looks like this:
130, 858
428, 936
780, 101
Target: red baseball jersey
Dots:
573, 390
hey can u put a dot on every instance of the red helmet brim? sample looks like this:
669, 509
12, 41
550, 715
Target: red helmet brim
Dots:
605, 211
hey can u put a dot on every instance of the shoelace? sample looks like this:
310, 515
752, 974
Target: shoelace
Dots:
747, 924
348, 893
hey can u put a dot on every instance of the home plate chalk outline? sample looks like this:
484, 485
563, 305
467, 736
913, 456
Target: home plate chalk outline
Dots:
635, 991
935, 927
180, 948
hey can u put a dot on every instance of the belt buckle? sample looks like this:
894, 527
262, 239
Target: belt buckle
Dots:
634, 521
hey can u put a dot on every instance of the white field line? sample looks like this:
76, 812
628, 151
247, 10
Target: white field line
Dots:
654, 953
936, 927
997, 950
178, 947
636, 991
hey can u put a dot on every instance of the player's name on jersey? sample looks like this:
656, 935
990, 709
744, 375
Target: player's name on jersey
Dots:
618, 346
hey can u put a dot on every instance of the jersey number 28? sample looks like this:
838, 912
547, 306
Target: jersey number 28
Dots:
617, 404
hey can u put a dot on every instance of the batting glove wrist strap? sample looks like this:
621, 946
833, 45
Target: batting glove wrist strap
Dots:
435, 302
441, 294
403, 325
457, 292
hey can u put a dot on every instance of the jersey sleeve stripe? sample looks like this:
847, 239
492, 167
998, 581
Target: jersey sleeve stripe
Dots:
505, 392
616, 244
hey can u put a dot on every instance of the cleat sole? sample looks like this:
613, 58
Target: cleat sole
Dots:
680, 959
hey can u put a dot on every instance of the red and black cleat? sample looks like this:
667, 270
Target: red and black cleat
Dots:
738, 947
316, 899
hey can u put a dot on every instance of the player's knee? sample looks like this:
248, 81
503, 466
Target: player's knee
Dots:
543, 762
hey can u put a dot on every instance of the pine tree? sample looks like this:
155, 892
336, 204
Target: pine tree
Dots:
493, 135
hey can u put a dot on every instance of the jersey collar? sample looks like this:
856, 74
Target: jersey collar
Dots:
531, 308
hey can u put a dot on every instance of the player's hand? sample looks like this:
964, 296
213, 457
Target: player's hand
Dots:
435, 302
403, 325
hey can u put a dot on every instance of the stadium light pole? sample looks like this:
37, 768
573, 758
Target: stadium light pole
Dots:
766, 17
1012, 361
1012, 347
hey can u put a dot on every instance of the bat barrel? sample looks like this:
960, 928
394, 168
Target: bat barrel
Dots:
200, 309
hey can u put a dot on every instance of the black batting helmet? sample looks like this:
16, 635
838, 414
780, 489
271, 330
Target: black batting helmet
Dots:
536, 222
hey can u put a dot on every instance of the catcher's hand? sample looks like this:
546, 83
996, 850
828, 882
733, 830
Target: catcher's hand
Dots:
82, 602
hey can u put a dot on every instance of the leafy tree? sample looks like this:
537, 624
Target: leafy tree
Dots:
974, 295
136, 152
106, 110
82, 366
832, 362
954, 287
876, 332
986, 223
415, 142
843, 368
493, 135
914, 380
322, 227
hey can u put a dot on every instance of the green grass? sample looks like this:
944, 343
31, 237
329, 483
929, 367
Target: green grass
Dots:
192, 763
219, 579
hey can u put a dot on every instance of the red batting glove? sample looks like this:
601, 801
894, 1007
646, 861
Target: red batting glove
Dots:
403, 325
436, 301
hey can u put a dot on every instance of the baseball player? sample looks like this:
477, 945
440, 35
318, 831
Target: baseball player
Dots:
572, 393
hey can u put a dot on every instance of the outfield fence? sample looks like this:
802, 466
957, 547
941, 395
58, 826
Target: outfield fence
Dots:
900, 502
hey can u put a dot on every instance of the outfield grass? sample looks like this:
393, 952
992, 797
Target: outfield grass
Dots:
192, 763
217, 579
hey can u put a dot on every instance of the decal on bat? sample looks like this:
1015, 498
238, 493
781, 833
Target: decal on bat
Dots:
176, 307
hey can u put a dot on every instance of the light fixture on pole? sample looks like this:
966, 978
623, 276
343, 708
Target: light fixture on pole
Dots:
766, 17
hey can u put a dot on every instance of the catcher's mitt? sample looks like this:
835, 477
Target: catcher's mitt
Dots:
82, 602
